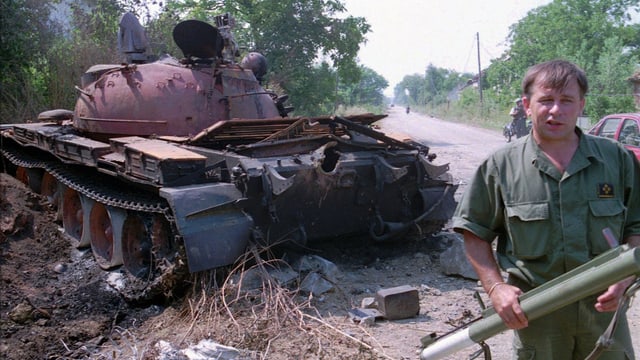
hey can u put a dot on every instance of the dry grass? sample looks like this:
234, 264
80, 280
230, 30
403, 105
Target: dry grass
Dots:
269, 320
273, 321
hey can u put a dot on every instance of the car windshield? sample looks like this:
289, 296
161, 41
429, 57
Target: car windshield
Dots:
629, 134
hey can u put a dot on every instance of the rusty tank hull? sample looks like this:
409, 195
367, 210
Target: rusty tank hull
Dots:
175, 166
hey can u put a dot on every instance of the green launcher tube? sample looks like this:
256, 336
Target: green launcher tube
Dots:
587, 279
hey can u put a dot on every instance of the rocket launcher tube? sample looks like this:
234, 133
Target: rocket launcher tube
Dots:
589, 278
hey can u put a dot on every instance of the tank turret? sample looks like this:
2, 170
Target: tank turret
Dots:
171, 96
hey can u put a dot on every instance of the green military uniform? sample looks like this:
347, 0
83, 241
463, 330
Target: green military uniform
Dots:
548, 223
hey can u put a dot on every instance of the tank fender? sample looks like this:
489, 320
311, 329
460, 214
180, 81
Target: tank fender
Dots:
441, 200
387, 174
214, 229
276, 182
433, 171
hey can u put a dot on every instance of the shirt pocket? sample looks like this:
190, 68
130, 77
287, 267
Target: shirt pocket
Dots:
607, 213
529, 230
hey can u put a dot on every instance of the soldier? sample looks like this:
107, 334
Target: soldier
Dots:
547, 200
519, 119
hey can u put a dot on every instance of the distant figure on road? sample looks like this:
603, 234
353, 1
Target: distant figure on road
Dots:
519, 119
408, 109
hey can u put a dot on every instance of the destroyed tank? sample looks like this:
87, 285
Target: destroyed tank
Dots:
170, 167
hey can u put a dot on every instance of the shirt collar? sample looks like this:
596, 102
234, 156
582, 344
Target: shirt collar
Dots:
585, 154
586, 147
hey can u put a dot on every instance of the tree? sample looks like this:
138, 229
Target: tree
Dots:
610, 92
369, 90
47, 46
25, 32
440, 83
576, 30
560, 29
92, 39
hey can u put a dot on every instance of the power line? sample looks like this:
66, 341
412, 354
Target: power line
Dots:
609, 95
471, 48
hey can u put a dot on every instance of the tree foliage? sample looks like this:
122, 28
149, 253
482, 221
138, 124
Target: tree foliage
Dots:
23, 43
311, 47
309, 44
301, 39
46, 47
369, 90
596, 35
436, 87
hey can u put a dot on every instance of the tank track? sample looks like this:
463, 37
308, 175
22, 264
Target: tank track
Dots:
167, 273
91, 185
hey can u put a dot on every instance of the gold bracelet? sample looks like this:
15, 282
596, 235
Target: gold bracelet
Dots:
494, 286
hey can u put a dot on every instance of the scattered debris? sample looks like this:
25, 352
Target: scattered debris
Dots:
400, 302
60, 268
456, 260
22, 313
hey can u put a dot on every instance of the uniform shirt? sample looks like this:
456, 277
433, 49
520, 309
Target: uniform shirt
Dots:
548, 222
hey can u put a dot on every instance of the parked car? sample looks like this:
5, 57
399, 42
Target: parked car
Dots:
624, 128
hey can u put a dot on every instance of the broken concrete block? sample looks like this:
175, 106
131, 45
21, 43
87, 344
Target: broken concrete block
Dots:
399, 302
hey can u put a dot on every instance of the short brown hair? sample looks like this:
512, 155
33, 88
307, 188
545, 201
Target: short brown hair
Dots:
555, 74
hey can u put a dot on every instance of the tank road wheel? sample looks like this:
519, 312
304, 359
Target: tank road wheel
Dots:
49, 188
105, 228
21, 175
136, 247
32, 177
160, 236
156, 266
52, 189
145, 240
72, 216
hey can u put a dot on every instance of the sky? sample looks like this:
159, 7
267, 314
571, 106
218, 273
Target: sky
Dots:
408, 35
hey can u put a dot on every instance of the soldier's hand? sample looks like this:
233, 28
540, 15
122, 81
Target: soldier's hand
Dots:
505, 301
608, 301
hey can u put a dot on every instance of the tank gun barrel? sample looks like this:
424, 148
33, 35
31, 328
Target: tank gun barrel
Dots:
587, 279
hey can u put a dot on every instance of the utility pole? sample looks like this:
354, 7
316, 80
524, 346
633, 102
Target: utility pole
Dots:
479, 67
335, 95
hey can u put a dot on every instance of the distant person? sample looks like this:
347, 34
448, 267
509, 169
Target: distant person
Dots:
546, 200
408, 109
518, 119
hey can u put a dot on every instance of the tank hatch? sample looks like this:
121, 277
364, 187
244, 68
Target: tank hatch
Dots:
198, 39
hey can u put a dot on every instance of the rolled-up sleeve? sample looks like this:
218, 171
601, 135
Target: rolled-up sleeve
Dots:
480, 210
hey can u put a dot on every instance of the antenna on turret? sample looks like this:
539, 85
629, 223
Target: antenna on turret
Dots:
225, 24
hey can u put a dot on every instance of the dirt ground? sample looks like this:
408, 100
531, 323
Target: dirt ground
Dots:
55, 302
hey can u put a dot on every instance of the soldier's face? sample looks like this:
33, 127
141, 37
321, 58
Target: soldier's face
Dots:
554, 112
